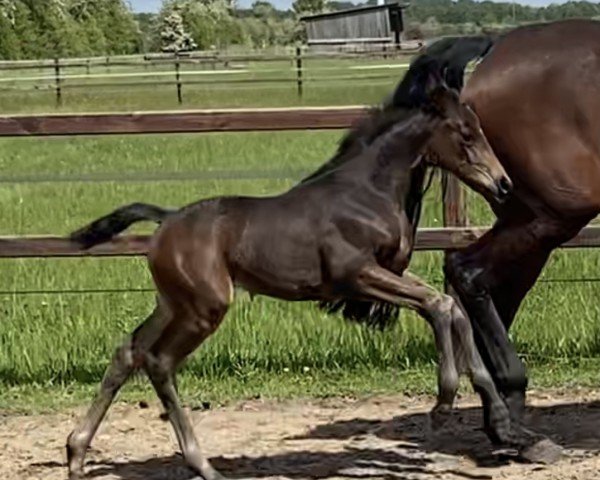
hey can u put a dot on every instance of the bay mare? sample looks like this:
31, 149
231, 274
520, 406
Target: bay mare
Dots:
345, 234
536, 91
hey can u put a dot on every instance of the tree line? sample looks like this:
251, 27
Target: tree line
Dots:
63, 28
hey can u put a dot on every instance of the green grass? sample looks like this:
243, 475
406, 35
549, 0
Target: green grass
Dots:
321, 87
55, 346
200, 392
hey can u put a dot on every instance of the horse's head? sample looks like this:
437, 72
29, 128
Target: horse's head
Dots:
458, 143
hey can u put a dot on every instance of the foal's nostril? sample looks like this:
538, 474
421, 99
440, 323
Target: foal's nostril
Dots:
504, 186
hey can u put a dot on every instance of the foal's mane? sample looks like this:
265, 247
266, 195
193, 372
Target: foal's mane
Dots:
408, 97
446, 58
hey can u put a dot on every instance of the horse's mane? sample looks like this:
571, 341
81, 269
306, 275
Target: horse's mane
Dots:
447, 57
408, 96
454, 54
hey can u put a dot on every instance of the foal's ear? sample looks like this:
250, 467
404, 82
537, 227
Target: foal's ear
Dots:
433, 82
442, 99
426, 81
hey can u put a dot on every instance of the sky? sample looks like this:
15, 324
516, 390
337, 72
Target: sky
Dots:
154, 5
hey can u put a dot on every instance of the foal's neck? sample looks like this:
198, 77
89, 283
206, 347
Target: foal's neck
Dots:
394, 162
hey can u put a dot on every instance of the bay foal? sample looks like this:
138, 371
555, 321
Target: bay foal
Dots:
346, 232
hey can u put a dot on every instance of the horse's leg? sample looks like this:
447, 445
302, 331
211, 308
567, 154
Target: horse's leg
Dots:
183, 335
518, 279
124, 362
490, 265
442, 312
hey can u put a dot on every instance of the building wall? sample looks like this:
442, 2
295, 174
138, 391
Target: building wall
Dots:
352, 28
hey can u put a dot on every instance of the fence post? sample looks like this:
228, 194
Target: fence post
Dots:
178, 79
455, 210
299, 70
87, 66
57, 82
107, 64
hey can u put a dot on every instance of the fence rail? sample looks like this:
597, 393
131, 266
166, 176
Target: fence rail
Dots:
204, 57
194, 121
456, 235
59, 80
428, 239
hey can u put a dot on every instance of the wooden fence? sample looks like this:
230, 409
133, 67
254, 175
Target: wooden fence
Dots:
56, 79
455, 235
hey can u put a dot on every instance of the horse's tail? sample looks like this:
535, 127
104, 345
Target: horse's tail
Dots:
373, 314
454, 53
105, 228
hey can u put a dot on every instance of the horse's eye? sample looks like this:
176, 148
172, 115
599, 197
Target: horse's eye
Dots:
468, 137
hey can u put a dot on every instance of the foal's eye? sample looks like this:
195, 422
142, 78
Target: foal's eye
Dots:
468, 137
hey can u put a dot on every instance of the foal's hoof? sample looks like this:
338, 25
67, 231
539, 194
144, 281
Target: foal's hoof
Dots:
543, 451
439, 418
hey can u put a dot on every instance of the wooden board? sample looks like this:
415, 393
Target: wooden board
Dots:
181, 121
134, 245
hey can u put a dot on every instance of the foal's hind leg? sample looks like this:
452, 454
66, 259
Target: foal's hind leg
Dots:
444, 315
183, 335
122, 366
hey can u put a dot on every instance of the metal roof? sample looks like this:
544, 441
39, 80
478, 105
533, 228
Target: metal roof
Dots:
341, 13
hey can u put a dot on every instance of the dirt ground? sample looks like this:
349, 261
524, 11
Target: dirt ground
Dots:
377, 438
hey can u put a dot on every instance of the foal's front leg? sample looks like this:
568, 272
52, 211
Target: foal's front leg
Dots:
445, 316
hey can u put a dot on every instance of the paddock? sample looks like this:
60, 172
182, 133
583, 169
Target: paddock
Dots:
65, 310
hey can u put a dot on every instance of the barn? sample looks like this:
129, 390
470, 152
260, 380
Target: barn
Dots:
375, 24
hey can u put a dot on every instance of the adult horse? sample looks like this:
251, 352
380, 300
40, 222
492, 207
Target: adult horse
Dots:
346, 232
537, 94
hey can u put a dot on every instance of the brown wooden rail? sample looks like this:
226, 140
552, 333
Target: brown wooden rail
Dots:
135, 245
190, 121
456, 235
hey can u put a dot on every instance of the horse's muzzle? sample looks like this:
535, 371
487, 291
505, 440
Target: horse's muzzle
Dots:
504, 186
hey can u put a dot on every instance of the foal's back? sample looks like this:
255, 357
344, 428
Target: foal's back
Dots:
275, 245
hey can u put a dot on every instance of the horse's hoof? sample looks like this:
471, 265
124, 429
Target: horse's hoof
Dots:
439, 418
543, 451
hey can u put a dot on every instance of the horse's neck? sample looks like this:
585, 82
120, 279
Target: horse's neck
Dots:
413, 199
395, 170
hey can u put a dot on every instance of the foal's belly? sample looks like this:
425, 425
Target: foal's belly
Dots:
278, 261
281, 276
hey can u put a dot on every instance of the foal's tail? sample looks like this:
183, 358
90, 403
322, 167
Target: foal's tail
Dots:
105, 228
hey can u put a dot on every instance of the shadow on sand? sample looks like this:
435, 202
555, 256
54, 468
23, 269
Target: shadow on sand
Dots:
409, 452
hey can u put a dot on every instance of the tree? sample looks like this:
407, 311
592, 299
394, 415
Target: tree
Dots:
50, 28
309, 7
174, 37
263, 10
10, 46
343, 5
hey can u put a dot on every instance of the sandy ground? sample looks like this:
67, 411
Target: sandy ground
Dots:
377, 438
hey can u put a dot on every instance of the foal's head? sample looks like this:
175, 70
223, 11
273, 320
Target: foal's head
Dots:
458, 143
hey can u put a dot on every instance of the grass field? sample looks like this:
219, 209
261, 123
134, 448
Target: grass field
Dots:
57, 335
320, 76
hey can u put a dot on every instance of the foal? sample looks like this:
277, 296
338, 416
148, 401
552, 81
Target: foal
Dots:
346, 232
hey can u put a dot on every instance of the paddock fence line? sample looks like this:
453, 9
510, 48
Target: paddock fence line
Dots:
54, 76
455, 234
